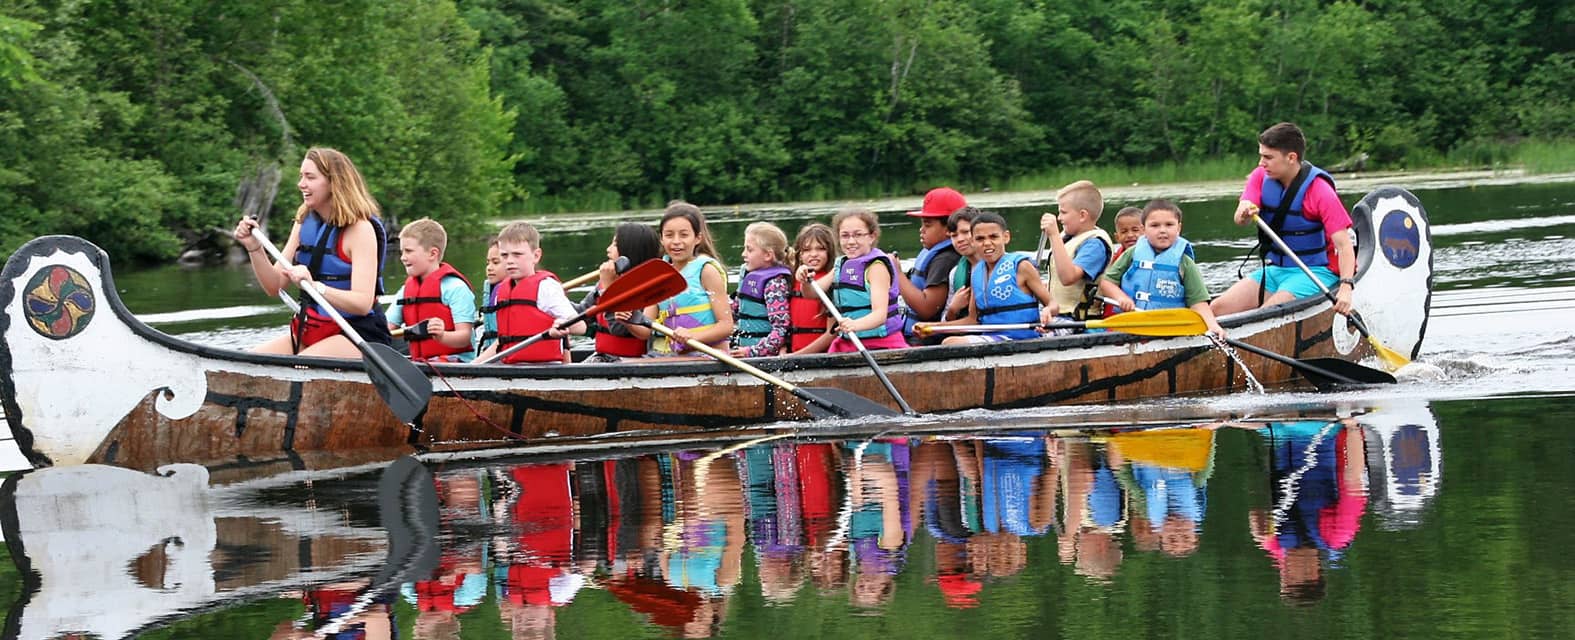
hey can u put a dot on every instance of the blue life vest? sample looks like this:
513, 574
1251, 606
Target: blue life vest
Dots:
1001, 301
318, 248
690, 309
1154, 281
852, 296
916, 275
753, 324
1305, 237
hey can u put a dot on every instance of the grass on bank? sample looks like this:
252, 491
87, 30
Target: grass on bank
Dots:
1534, 156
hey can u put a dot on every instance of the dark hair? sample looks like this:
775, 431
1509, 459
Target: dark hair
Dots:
990, 217
1160, 204
681, 209
1130, 211
815, 232
637, 242
965, 214
1285, 137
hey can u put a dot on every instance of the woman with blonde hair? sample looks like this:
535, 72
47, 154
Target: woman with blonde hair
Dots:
336, 246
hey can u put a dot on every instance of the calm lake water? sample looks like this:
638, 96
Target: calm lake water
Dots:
1436, 507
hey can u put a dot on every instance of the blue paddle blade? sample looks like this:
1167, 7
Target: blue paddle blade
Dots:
397, 380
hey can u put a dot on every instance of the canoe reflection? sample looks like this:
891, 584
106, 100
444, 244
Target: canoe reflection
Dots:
681, 537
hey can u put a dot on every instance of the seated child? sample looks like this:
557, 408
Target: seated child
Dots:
488, 318
1080, 255
1007, 290
807, 317
1129, 227
435, 304
633, 244
701, 312
1159, 272
530, 301
959, 292
761, 304
862, 284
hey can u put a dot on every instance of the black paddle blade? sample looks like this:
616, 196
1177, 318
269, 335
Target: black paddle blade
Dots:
402, 385
1356, 372
828, 402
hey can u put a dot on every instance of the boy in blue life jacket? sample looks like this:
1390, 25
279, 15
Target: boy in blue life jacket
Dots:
435, 304
1160, 272
1006, 287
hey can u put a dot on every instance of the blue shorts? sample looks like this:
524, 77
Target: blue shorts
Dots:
1292, 279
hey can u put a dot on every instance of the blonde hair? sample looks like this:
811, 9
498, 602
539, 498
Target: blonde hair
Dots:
427, 233
1083, 195
346, 189
864, 215
769, 237
517, 232
815, 232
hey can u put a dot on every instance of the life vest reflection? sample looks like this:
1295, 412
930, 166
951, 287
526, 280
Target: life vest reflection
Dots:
666, 534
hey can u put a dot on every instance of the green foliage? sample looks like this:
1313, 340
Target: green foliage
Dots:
132, 122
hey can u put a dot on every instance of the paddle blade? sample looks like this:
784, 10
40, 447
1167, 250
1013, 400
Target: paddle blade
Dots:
1158, 322
1392, 359
1356, 372
828, 402
396, 378
651, 282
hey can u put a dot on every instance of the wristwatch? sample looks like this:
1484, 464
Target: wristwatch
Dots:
1349, 282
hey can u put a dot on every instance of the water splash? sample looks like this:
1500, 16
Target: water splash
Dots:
1225, 348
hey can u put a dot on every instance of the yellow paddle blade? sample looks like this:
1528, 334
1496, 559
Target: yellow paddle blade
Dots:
1393, 360
1159, 322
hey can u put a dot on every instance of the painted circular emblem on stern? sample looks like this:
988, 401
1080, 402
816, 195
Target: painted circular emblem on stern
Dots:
59, 302
1399, 238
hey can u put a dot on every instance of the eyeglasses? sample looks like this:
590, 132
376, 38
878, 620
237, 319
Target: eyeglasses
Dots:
856, 235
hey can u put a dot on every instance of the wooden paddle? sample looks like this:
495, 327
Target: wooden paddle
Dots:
1323, 373
859, 344
822, 402
1392, 359
396, 378
643, 286
1158, 322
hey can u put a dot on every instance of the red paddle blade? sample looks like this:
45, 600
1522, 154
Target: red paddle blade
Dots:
653, 281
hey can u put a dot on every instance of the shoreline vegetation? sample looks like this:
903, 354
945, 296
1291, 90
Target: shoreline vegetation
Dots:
152, 128
1507, 163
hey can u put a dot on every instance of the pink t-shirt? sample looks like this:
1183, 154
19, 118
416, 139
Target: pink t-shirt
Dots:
1321, 204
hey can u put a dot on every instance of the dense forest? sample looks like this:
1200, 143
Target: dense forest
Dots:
141, 124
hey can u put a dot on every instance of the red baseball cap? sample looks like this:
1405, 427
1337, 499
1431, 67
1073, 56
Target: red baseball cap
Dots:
939, 203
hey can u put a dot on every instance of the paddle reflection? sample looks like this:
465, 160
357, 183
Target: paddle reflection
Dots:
679, 539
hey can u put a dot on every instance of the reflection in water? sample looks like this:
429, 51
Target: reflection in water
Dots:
673, 537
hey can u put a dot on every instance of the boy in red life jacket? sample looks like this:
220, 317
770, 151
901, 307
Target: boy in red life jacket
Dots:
436, 304
529, 301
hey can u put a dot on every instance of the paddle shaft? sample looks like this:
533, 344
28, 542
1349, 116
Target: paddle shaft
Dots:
733, 362
859, 344
588, 313
1039, 254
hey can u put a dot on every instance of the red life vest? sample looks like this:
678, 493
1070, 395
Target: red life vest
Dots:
423, 299
607, 343
806, 317
519, 318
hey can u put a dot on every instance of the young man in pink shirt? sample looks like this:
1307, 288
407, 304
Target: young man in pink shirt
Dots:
1298, 201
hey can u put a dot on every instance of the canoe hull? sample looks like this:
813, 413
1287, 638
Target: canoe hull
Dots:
85, 381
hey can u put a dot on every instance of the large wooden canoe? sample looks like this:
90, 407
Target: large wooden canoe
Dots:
82, 380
